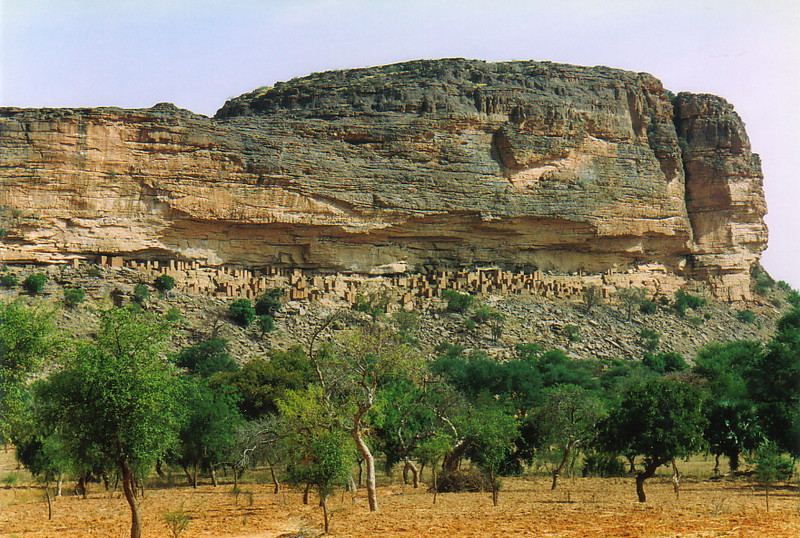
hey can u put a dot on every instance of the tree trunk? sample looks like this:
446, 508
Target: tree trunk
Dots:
49, 502
360, 472
414, 473
194, 475
188, 476
130, 496
631, 464
495, 488
59, 484
676, 480
369, 460
452, 459
213, 476
82, 486
159, 470
305, 493
435, 485
405, 472
733, 461
557, 471
649, 470
716, 464
323, 500
275, 483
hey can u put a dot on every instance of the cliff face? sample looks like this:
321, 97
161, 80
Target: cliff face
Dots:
447, 163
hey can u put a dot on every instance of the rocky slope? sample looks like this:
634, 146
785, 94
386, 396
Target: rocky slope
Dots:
447, 163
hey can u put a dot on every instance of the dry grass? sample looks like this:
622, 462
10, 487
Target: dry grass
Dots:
580, 507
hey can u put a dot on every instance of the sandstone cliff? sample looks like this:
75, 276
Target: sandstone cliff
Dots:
449, 163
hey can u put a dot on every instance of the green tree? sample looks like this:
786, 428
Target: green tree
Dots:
209, 428
242, 313
592, 296
26, 338
269, 303
666, 362
771, 466
118, 399
631, 299
457, 302
568, 421
164, 283
34, 283
492, 430
661, 420
73, 297
207, 358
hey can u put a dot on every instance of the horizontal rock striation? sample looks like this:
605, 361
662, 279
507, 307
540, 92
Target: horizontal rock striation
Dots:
445, 163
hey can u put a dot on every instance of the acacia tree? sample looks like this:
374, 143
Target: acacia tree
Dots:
661, 420
26, 336
118, 399
568, 421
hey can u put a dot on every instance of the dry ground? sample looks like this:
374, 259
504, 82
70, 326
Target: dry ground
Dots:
580, 507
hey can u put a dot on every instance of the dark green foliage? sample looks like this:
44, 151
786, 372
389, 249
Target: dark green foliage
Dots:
164, 283
209, 427
762, 281
684, 301
745, 316
269, 303
94, 271
260, 383
648, 307
457, 302
73, 297
603, 464
650, 339
207, 358
481, 314
34, 283
242, 313
173, 314
783, 285
141, 293
469, 324
664, 362
771, 466
573, 333
8, 280
660, 420
733, 428
265, 324
793, 298
556, 368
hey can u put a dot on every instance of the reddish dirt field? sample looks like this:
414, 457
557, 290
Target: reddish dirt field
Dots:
580, 507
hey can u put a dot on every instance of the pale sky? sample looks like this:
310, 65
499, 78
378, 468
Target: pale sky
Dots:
197, 54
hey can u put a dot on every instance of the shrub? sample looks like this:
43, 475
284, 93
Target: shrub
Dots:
8, 280
177, 521
664, 362
695, 321
573, 333
648, 307
242, 312
34, 283
73, 297
469, 324
592, 296
173, 314
685, 300
783, 285
269, 303
457, 302
603, 464
164, 283
762, 281
94, 271
265, 323
472, 480
793, 298
650, 339
482, 314
745, 316
141, 293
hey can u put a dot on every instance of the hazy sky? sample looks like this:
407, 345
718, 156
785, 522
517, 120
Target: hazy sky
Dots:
197, 54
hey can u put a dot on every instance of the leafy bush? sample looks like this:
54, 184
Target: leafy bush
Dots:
94, 271
73, 297
469, 324
457, 302
164, 283
650, 339
783, 285
572, 332
592, 296
34, 283
745, 316
173, 314
762, 281
8, 280
793, 298
141, 293
177, 521
241, 311
269, 303
664, 362
684, 300
648, 307
265, 323
603, 464
482, 314
207, 358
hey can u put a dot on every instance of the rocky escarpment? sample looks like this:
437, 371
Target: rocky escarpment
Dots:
449, 163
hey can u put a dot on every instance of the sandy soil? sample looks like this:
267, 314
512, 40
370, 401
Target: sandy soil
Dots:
580, 507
